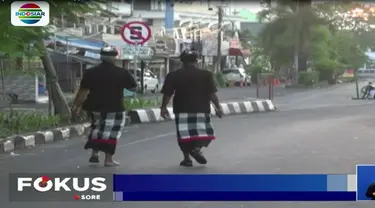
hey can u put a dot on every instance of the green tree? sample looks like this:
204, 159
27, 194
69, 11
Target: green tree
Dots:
286, 34
328, 39
334, 51
352, 33
17, 40
348, 49
322, 53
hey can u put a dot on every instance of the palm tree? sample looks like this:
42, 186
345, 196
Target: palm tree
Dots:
288, 24
17, 39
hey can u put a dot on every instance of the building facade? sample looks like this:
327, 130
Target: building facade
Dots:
202, 15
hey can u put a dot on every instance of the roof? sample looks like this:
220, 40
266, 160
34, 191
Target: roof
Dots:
85, 59
79, 42
61, 57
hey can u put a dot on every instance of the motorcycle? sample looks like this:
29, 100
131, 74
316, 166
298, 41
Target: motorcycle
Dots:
368, 94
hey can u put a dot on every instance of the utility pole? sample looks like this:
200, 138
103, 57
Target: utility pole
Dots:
297, 47
220, 17
62, 22
234, 37
193, 37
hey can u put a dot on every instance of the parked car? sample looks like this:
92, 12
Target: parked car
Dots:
150, 80
237, 75
368, 73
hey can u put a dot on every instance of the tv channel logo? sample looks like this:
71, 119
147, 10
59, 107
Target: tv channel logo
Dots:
30, 14
61, 187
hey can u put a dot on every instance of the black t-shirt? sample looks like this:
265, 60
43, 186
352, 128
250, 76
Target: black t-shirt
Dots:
191, 89
106, 84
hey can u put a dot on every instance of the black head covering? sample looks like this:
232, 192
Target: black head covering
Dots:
108, 51
189, 56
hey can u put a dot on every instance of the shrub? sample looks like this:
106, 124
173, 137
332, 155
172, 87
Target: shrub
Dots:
253, 71
220, 79
23, 122
131, 103
308, 78
139, 103
20, 122
328, 70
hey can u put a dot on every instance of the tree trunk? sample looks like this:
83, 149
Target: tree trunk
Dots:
302, 56
302, 61
19, 63
58, 99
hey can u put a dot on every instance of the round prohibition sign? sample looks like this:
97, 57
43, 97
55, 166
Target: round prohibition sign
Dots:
136, 33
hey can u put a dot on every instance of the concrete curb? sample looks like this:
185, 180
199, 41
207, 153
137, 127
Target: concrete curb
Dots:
26, 141
230, 108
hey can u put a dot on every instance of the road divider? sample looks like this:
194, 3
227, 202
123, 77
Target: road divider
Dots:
152, 115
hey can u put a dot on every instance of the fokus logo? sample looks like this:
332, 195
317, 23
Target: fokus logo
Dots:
61, 187
45, 183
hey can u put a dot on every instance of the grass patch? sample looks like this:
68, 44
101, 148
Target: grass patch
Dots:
139, 103
14, 122
20, 122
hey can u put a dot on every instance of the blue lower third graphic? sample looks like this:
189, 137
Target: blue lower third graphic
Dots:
232, 188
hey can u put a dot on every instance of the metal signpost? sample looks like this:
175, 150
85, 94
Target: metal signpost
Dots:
136, 33
265, 85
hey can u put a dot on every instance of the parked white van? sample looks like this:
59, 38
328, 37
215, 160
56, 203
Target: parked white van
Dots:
366, 73
150, 80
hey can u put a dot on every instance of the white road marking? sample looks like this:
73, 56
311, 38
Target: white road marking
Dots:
147, 139
118, 147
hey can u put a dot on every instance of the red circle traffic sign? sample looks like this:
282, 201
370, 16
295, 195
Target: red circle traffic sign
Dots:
136, 33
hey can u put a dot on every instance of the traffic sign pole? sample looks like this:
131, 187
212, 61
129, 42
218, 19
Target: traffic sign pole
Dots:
135, 59
136, 33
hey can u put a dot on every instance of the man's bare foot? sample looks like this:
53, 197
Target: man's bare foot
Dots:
111, 164
94, 157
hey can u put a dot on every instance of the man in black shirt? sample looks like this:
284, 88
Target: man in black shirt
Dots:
370, 193
193, 91
101, 95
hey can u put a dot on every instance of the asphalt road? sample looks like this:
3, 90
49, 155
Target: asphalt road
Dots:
312, 139
247, 93
318, 97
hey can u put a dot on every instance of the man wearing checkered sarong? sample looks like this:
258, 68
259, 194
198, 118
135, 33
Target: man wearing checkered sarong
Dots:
101, 95
193, 90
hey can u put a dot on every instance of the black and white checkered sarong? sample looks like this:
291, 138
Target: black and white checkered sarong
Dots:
106, 129
194, 126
